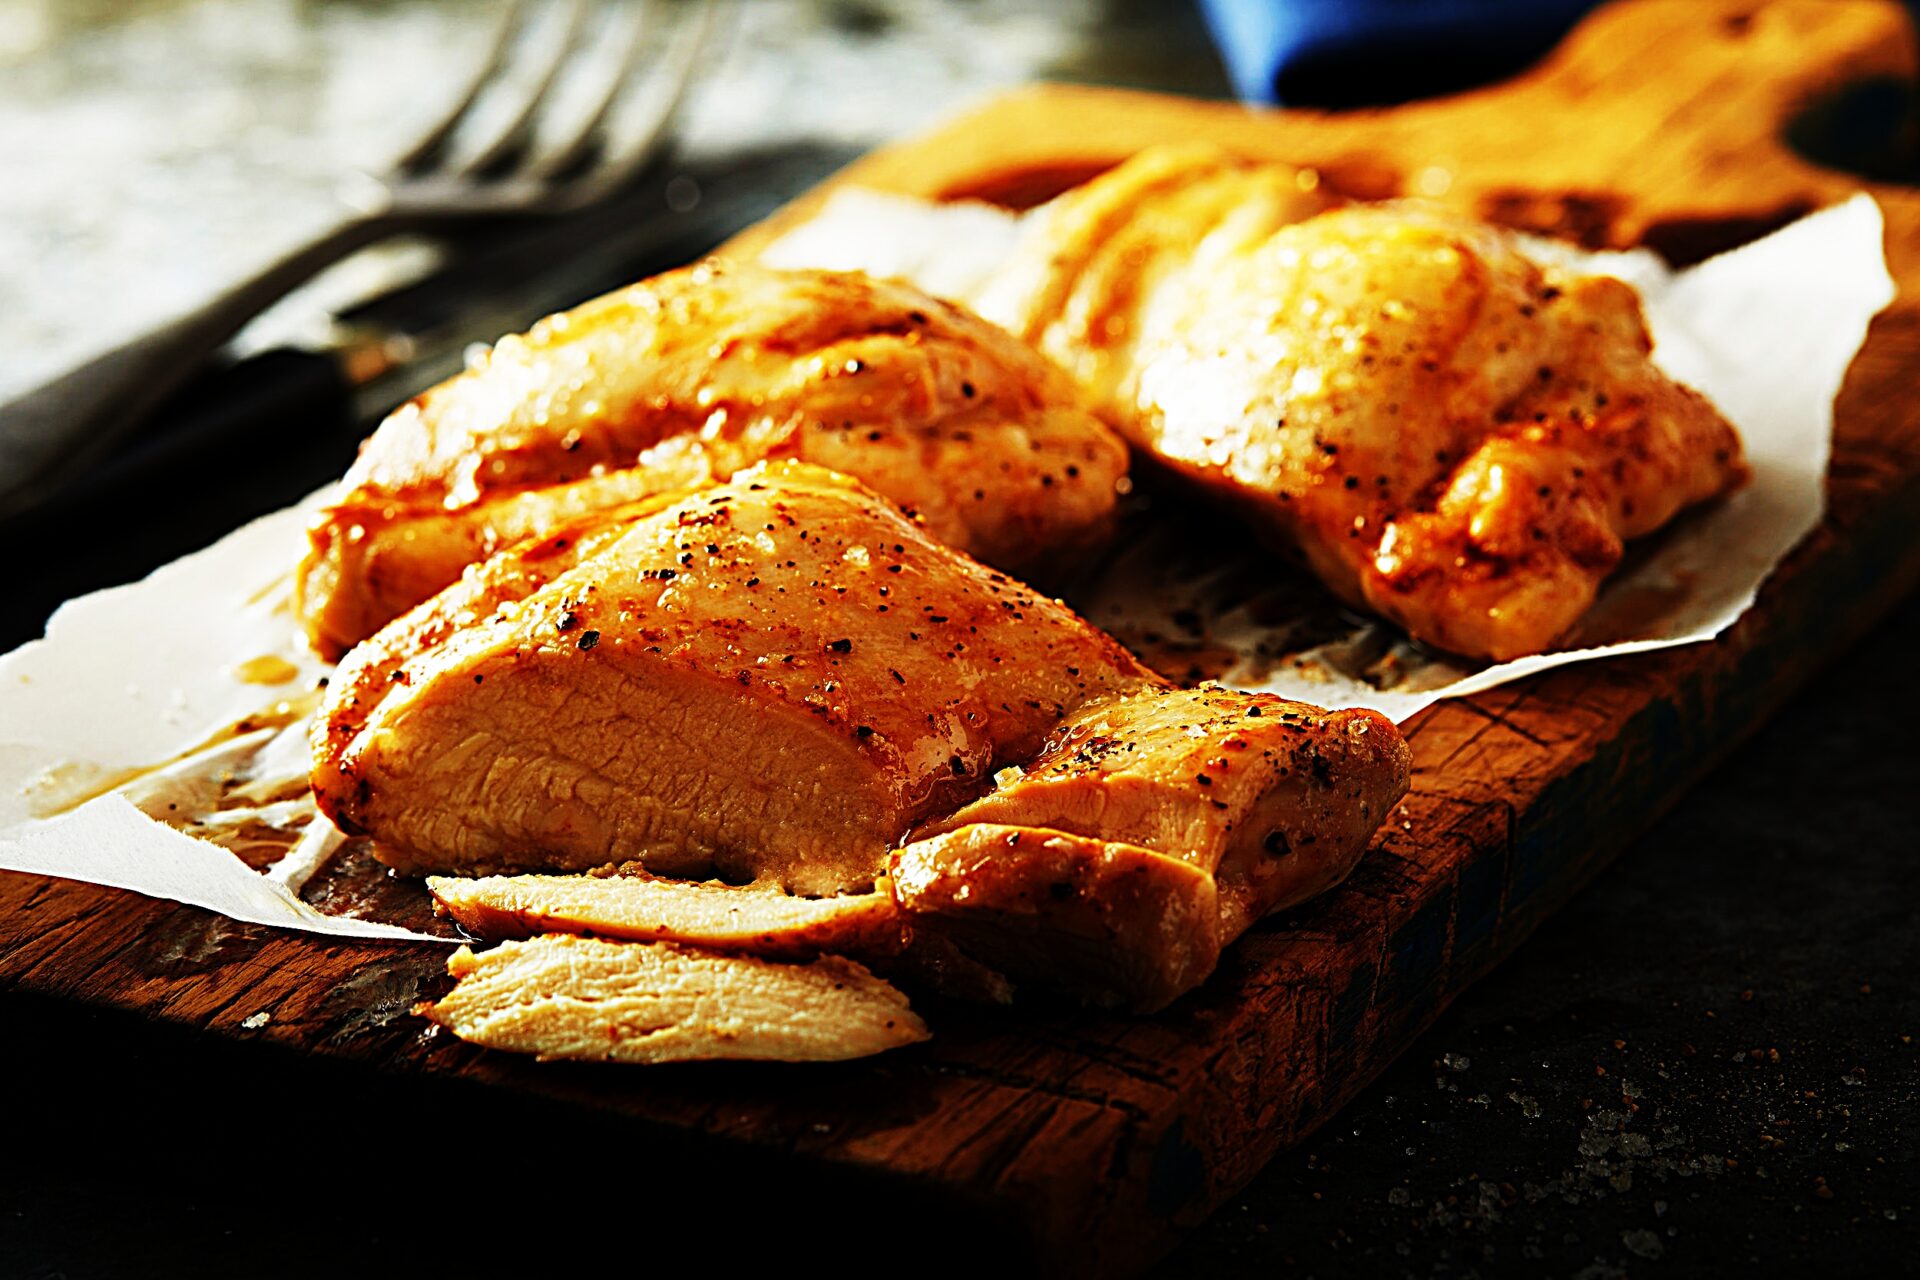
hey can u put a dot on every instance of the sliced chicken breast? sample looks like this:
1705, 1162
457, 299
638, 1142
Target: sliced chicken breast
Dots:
783, 681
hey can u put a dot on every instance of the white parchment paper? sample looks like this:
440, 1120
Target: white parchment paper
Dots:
115, 744
102, 723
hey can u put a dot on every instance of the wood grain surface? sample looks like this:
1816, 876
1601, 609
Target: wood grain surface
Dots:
1093, 1139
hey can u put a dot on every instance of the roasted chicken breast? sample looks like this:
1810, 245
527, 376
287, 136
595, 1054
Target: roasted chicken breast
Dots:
1455, 435
784, 681
684, 379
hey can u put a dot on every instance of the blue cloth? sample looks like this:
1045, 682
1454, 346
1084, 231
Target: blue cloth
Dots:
1350, 53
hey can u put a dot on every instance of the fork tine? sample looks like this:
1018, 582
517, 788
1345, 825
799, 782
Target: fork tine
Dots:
415, 157
674, 71
562, 158
517, 130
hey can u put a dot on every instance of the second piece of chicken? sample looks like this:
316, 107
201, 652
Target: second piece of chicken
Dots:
1456, 435
684, 379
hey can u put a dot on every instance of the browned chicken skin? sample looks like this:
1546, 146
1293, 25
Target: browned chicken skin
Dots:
685, 379
782, 680
1455, 436
1076, 288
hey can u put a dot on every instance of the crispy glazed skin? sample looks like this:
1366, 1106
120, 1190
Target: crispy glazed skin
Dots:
685, 379
1455, 437
1077, 284
768, 680
782, 680
561, 996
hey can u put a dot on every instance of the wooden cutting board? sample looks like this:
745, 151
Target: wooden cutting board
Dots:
1091, 1139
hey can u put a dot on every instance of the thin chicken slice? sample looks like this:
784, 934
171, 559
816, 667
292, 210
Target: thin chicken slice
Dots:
563, 996
684, 379
782, 680
733, 918
1455, 435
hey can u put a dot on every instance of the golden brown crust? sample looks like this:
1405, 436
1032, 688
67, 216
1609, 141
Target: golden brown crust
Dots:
1076, 284
1455, 436
681, 381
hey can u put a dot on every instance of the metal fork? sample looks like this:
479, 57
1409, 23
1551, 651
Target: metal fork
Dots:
489, 156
